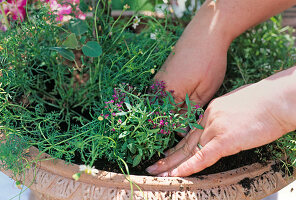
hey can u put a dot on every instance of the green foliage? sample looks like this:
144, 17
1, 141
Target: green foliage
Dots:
287, 144
259, 53
12, 151
92, 49
55, 79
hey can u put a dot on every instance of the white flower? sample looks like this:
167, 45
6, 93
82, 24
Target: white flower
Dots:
88, 170
136, 22
153, 36
165, 1
152, 71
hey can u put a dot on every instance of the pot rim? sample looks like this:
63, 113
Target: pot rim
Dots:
117, 180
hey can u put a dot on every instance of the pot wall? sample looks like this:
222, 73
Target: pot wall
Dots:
52, 180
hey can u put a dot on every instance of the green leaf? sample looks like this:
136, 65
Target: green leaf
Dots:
83, 6
129, 107
71, 41
180, 130
121, 113
78, 27
154, 130
171, 98
188, 103
92, 49
137, 160
123, 134
66, 53
197, 126
132, 148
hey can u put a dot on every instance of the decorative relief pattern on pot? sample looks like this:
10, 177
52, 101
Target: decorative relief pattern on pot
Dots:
54, 187
266, 183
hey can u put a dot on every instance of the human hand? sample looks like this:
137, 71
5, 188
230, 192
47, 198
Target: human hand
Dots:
197, 63
243, 119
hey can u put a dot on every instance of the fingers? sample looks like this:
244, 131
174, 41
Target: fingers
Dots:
202, 159
183, 151
189, 137
187, 129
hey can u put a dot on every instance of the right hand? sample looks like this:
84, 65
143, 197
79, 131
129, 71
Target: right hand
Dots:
248, 117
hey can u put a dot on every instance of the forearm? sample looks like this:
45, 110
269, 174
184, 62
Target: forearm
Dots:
281, 88
232, 17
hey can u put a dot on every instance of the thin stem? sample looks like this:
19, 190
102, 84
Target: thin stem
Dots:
4, 16
95, 20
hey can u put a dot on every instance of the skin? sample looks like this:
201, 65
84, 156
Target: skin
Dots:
248, 117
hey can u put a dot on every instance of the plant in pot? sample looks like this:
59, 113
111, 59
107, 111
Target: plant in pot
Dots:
79, 96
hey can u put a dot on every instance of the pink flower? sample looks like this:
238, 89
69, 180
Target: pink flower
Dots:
17, 9
64, 9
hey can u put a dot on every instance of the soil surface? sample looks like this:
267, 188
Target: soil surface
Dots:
224, 164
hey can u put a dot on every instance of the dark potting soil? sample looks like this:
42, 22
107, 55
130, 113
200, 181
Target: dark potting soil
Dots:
224, 164
247, 183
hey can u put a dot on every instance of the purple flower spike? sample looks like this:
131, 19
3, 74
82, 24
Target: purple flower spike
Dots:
196, 106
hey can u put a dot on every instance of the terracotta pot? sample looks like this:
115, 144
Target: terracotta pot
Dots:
52, 180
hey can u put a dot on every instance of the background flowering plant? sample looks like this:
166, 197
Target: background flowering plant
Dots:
15, 10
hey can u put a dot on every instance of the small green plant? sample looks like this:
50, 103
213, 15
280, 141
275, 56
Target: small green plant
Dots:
259, 53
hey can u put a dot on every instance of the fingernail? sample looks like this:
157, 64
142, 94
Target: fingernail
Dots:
151, 169
173, 172
164, 174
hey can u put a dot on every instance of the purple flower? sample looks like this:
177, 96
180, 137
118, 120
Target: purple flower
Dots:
118, 105
196, 106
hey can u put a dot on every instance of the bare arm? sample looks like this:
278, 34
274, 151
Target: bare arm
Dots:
198, 64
